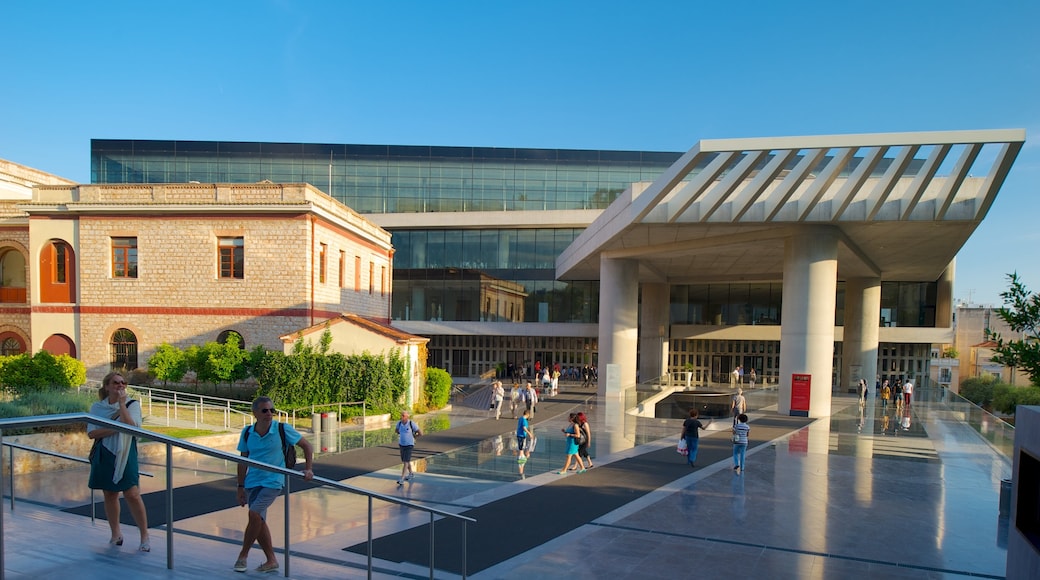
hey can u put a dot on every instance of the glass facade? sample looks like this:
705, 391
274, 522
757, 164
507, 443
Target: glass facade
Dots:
902, 304
391, 178
488, 275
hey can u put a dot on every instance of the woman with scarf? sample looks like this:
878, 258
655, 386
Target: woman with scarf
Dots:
113, 460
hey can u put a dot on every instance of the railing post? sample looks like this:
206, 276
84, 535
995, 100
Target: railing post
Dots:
169, 505
3, 565
370, 547
10, 470
431, 545
287, 491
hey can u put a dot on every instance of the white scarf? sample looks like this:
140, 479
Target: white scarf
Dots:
118, 443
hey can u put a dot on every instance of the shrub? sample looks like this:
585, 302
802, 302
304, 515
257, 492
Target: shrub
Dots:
22, 373
979, 390
438, 387
1007, 398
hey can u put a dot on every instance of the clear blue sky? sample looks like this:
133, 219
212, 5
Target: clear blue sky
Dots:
648, 75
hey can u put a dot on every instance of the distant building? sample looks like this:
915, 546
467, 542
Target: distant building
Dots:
975, 349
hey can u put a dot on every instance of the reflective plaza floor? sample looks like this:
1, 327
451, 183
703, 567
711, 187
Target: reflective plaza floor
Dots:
866, 493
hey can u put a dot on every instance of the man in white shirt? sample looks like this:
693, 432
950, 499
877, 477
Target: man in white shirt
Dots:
908, 390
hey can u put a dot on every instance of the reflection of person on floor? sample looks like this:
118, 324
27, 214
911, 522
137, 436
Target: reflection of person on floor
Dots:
571, 433
884, 424
113, 462
741, 430
690, 432
906, 419
258, 487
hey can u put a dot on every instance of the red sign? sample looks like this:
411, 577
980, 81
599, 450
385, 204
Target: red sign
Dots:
801, 386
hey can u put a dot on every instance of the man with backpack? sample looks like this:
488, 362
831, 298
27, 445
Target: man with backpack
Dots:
268, 441
407, 431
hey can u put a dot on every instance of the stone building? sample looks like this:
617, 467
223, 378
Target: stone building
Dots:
112, 271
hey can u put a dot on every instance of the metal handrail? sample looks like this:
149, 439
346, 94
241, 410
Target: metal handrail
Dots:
70, 418
10, 468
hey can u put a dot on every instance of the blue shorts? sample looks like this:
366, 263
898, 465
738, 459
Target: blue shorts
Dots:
521, 443
261, 498
406, 452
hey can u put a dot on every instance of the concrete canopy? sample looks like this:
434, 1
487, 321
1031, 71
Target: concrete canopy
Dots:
901, 204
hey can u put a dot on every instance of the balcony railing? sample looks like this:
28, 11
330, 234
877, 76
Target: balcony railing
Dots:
171, 442
12, 295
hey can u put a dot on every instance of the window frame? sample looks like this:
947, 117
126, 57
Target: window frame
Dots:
234, 246
125, 255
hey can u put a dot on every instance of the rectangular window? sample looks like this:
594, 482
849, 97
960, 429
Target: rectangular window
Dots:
231, 256
382, 280
60, 263
342, 268
371, 277
357, 273
124, 257
323, 263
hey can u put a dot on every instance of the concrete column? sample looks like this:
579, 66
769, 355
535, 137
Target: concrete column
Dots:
860, 346
944, 297
653, 331
618, 321
807, 326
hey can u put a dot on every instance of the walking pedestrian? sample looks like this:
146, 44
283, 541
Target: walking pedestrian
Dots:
113, 459
571, 433
908, 391
263, 441
740, 442
583, 443
498, 395
407, 431
514, 399
691, 432
739, 405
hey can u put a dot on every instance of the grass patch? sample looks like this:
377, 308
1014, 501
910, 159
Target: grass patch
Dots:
182, 433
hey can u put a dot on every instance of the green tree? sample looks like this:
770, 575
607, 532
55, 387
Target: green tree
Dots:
168, 363
226, 362
1021, 311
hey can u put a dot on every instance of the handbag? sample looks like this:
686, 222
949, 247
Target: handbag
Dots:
736, 437
682, 449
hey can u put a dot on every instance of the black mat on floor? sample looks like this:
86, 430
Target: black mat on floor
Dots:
203, 498
513, 525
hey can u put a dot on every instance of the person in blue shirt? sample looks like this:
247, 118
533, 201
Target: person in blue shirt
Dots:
523, 432
259, 487
407, 431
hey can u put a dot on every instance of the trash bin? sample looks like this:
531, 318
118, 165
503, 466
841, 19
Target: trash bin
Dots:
316, 423
1005, 497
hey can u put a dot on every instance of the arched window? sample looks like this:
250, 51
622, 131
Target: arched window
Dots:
222, 338
123, 350
57, 272
10, 344
12, 276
